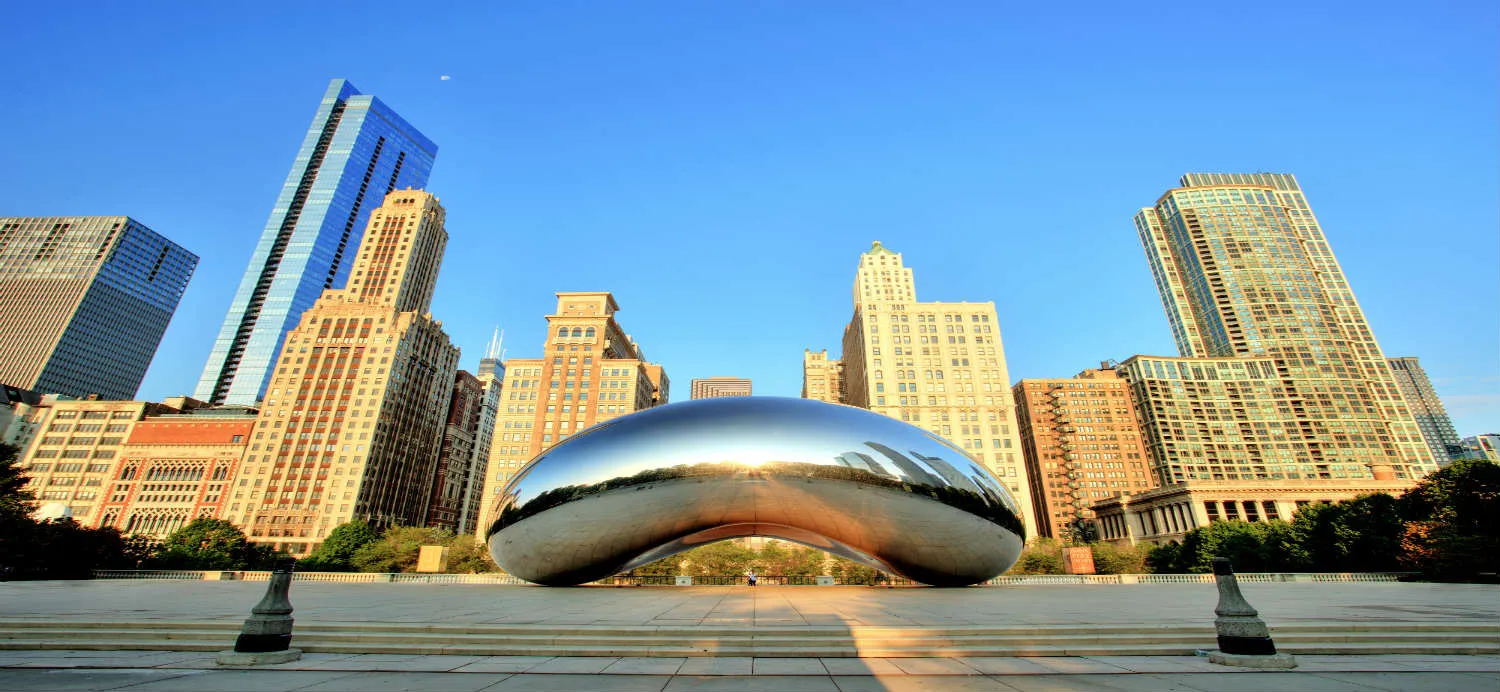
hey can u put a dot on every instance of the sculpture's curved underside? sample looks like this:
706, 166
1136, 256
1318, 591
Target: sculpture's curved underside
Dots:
855, 483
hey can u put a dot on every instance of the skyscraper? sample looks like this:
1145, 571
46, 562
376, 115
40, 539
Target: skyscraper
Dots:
1244, 271
492, 377
84, 301
710, 387
1082, 444
1427, 409
353, 420
592, 372
356, 152
822, 379
950, 378
456, 463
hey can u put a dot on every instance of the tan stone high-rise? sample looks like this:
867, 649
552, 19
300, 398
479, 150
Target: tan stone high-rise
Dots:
1244, 271
711, 387
1082, 443
939, 366
353, 418
592, 372
822, 378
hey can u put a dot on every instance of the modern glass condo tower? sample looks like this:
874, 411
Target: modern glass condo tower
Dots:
1245, 272
356, 151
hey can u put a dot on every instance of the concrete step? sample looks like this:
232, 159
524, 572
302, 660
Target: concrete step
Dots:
764, 652
785, 631
693, 639
539, 640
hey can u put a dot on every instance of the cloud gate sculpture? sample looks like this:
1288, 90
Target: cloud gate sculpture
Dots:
842, 479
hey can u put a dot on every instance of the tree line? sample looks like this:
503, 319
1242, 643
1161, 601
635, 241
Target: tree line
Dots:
1447, 528
64, 549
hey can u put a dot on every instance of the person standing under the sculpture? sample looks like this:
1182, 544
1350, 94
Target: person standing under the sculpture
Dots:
751, 577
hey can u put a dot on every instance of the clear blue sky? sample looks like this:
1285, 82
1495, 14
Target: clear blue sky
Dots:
720, 165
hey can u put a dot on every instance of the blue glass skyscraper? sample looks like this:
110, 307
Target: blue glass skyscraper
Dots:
356, 152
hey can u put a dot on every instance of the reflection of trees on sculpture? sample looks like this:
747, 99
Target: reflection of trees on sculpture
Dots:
775, 559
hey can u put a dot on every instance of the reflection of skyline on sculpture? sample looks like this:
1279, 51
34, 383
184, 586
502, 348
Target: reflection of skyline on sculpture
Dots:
642, 487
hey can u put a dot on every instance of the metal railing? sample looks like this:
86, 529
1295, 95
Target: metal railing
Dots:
740, 580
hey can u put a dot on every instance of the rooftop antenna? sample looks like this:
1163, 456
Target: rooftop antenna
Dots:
493, 350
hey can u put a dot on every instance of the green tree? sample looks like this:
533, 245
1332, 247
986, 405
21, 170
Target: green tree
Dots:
1268, 546
666, 567
722, 558
1115, 559
847, 571
1165, 559
1463, 496
398, 549
336, 553
211, 544
16, 527
466, 555
777, 558
15, 499
1043, 556
1359, 535
1453, 515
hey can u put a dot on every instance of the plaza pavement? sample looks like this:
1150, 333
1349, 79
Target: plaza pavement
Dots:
764, 606
194, 672
142, 601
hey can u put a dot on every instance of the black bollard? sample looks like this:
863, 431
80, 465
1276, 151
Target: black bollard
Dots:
1244, 639
266, 636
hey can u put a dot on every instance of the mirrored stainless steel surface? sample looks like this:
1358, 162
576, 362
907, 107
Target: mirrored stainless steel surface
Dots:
855, 483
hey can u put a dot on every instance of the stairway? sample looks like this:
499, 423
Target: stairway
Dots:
674, 641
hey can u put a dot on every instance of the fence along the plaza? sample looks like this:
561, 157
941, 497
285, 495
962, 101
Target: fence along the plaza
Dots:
762, 580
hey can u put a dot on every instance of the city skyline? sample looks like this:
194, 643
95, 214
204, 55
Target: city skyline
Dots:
356, 151
1365, 217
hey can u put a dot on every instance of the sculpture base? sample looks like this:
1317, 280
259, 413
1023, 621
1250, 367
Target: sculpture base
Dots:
1275, 661
264, 658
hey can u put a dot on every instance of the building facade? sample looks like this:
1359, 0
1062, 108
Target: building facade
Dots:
84, 301
492, 377
1482, 447
822, 378
1082, 443
356, 152
456, 466
939, 366
1244, 271
71, 460
174, 468
1427, 409
592, 372
710, 387
353, 421
19, 415
1233, 419
1165, 515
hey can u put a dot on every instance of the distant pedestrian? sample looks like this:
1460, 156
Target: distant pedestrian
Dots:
751, 575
